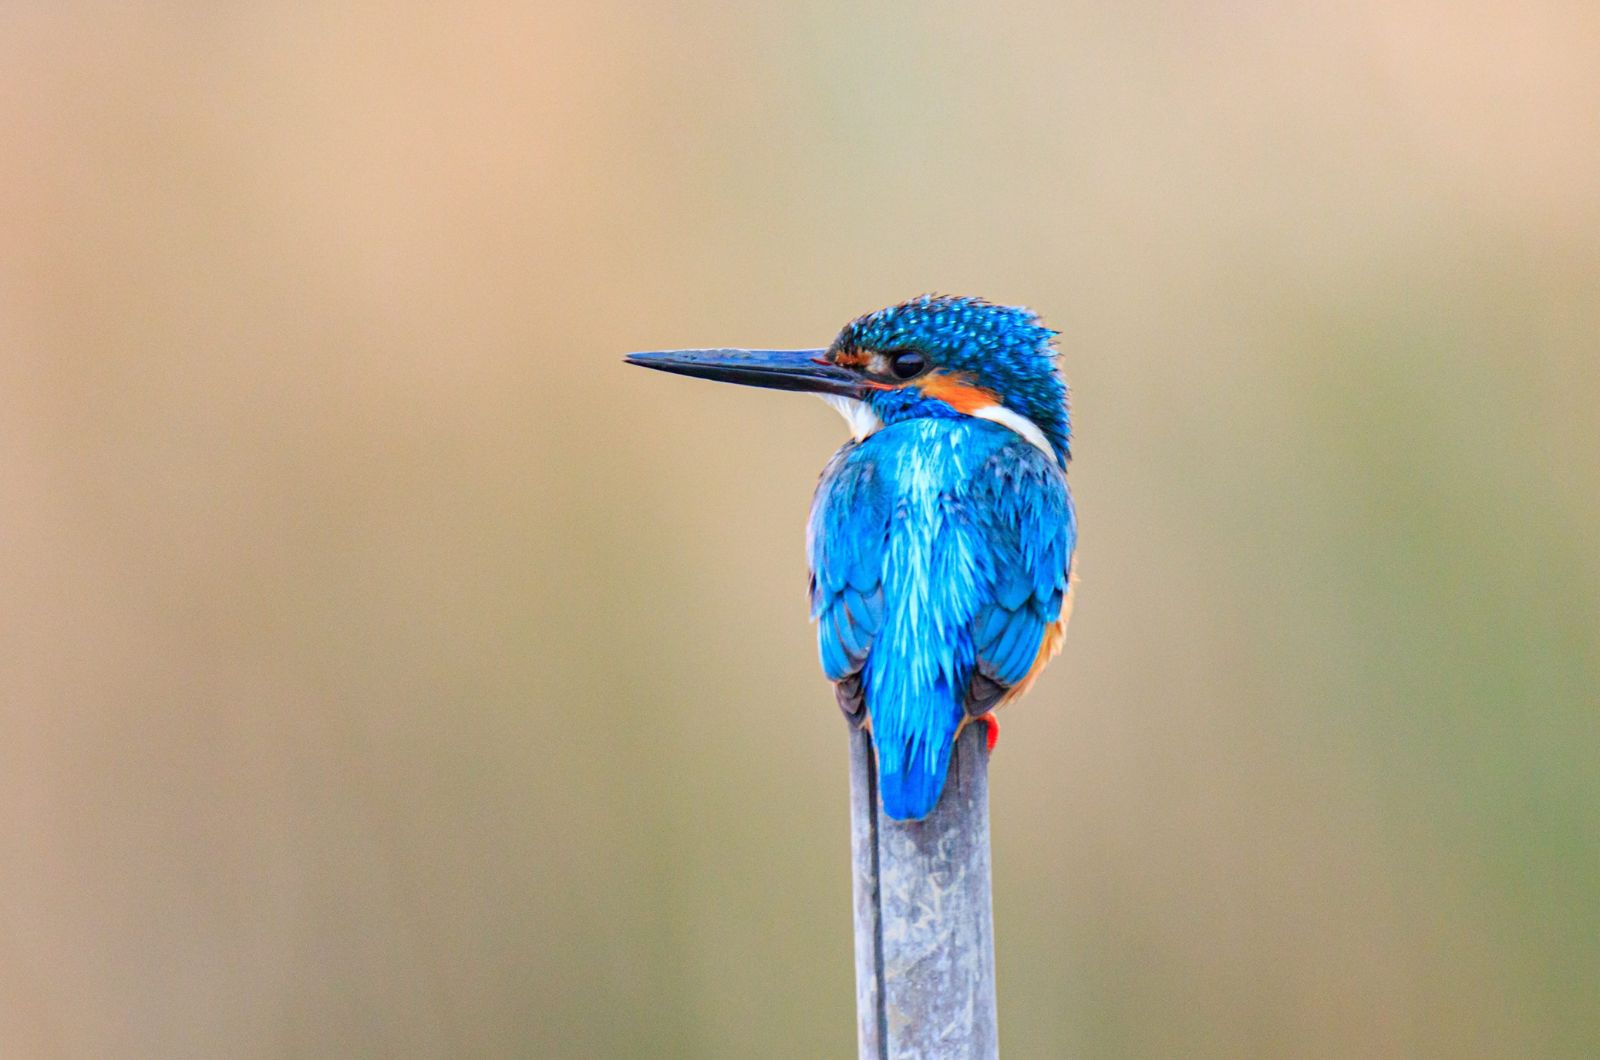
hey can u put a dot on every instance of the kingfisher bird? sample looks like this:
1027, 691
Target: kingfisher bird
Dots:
942, 538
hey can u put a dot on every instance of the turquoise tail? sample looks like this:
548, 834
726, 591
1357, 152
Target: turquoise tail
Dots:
909, 782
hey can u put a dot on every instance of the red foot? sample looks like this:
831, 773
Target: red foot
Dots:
993, 725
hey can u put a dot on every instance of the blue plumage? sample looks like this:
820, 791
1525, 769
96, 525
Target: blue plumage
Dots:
968, 528
941, 539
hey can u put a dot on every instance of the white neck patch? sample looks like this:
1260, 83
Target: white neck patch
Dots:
864, 423
1016, 421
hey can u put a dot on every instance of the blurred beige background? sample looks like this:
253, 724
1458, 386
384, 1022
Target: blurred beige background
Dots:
386, 671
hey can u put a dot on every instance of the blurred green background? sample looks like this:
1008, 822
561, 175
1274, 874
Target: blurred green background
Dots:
387, 671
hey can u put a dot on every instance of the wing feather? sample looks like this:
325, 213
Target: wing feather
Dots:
1029, 521
845, 541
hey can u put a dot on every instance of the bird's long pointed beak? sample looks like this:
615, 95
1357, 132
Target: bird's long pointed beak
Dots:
803, 370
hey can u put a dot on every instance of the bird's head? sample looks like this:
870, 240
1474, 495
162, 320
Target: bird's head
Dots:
933, 356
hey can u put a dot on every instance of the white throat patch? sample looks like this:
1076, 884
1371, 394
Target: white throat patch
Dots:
864, 423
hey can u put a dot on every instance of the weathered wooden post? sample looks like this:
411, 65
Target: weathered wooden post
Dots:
924, 918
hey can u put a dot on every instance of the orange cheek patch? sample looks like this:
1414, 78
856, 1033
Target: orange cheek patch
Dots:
957, 393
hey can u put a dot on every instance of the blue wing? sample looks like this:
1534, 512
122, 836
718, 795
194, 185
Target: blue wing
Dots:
1032, 531
939, 560
845, 543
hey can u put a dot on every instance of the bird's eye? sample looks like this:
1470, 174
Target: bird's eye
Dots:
906, 364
